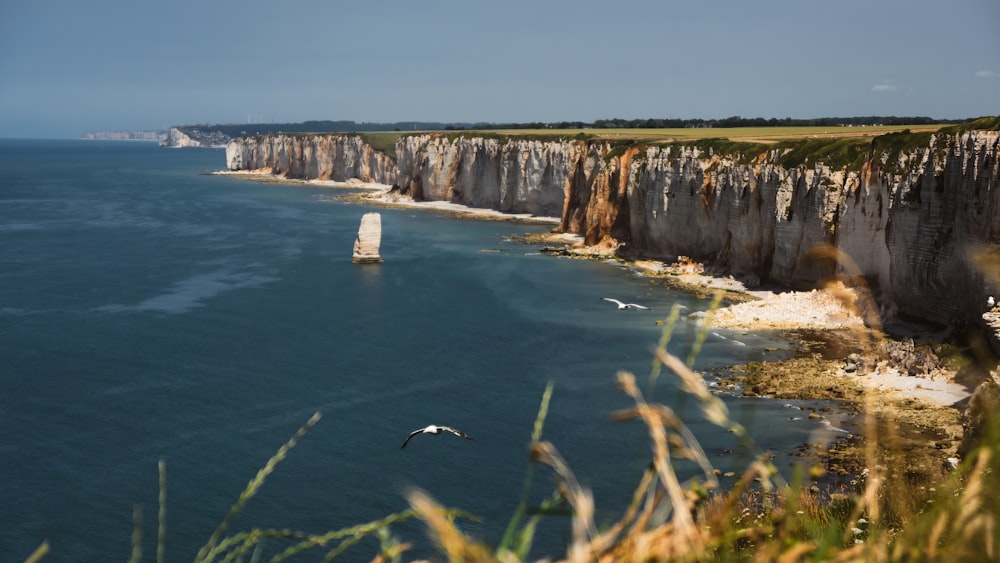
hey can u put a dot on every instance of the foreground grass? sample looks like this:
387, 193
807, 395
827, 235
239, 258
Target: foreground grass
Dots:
880, 516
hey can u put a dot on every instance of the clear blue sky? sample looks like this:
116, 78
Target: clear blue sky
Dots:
69, 66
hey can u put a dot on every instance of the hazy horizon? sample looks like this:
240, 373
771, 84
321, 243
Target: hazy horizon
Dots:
112, 65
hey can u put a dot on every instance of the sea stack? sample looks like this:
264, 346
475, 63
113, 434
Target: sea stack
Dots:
369, 238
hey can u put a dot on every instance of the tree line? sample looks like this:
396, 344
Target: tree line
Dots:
345, 126
734, 121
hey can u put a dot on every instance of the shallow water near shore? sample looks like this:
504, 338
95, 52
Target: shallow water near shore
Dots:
150, 310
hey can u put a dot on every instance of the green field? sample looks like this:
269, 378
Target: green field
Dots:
748, 134
385, 141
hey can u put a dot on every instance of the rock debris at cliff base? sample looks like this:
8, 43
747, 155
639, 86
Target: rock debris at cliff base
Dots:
816, 309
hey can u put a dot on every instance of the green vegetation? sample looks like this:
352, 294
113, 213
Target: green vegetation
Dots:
902, 141
837, 147
744, 134
743, 152
747, 122
836, 153
309, 127
618, 148
232, 130
503, 137
383, 142
983, 123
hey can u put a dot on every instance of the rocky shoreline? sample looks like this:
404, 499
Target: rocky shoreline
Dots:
891, 380
905, 389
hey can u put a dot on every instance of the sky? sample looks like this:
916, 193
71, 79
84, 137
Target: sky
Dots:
71, 66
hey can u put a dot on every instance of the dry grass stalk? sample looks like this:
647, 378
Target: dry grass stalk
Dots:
40, 552
857, 299
580, 499
714, 409
986, 258
684, 531
455, 544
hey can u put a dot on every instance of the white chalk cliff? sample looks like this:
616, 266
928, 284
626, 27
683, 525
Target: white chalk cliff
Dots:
311, 157
905, 216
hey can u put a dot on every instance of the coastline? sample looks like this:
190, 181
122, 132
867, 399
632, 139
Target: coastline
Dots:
379, 195
919, 413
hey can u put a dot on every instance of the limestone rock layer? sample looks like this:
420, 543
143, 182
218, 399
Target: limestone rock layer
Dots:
310, 157
369, 239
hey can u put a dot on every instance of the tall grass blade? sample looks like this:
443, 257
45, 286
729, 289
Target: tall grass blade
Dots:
39, 552
681, 520
161, 528
136, 555
449, 538
661, 345
254, 485
517, 541
702, 334
356, 533
714, 409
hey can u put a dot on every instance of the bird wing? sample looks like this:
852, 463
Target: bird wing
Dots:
457, 432
637, 306
410, 437
613, 301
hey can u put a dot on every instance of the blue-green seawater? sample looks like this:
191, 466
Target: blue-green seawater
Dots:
152, 311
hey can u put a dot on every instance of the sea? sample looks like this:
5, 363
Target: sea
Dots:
152, 312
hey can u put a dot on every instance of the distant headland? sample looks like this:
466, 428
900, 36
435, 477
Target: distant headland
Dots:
135, 135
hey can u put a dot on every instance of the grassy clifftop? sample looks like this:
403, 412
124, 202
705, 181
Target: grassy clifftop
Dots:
835, 146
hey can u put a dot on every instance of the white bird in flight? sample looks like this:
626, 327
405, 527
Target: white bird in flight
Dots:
432, 429
624, 305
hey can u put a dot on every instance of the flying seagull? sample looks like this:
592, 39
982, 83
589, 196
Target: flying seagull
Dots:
624, 305
432, 429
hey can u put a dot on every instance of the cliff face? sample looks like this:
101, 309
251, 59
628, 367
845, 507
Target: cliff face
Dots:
905, 220
757, 220
943, 202
193, 137
519, 176
322, 157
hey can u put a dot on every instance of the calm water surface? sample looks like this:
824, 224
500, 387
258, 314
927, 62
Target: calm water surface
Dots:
150, 311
